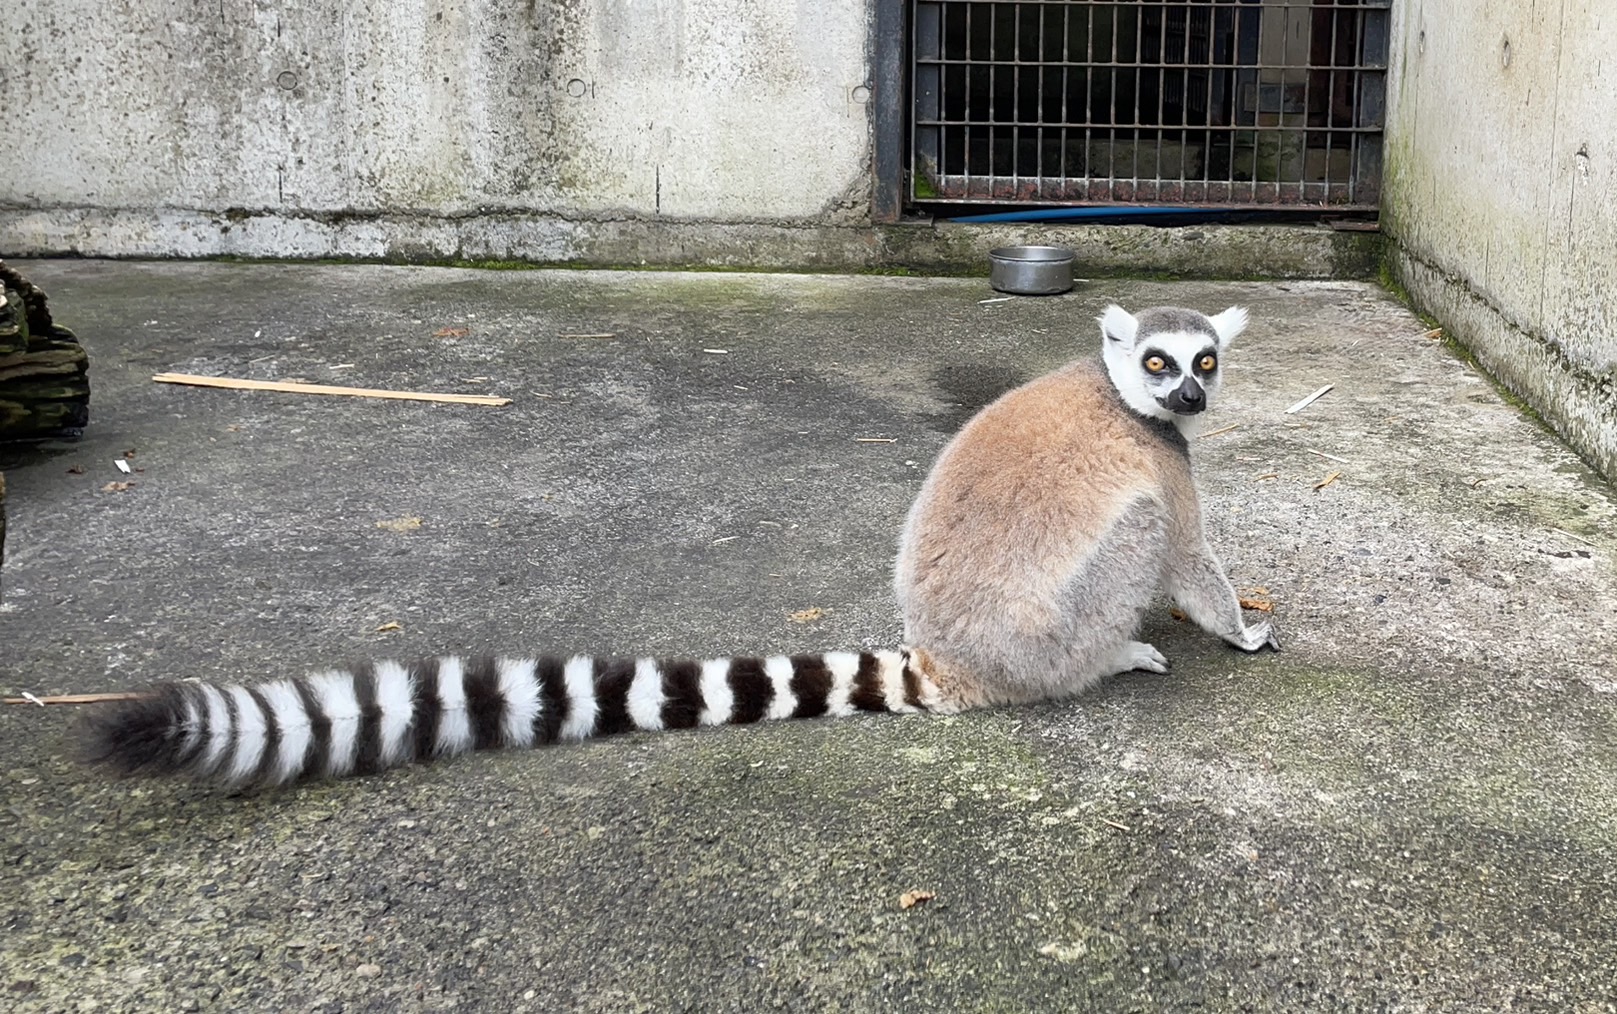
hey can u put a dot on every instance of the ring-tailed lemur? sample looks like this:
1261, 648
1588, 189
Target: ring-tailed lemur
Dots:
1043, 532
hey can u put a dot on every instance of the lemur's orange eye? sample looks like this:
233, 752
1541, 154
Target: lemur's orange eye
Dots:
1156, 364
1207, 364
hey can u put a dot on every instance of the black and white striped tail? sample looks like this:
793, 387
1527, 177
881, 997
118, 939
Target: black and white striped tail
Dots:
385, 714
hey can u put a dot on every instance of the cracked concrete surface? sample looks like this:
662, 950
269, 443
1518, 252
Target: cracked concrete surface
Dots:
1411, 808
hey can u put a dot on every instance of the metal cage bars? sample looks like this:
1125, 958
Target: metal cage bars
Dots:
1233, 103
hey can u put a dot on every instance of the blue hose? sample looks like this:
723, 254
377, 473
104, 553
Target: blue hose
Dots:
1069, 214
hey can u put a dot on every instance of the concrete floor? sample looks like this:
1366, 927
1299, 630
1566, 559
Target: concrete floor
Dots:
1412, 808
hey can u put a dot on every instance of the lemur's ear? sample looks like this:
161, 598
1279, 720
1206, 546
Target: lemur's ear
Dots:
1119, 326
1229, 324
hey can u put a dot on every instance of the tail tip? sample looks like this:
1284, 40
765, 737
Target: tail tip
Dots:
135, 737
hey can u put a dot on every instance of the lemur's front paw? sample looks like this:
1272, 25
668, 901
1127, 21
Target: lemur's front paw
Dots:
1137, 656
1255, 636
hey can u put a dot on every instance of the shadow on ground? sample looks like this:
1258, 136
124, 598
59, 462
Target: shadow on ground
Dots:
1412, 808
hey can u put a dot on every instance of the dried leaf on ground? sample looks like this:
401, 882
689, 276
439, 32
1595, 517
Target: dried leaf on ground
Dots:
1327, 481
400, 524
808, 615
909, 899
1178, 614
116, 487
1261, 605
390, 625
452, 332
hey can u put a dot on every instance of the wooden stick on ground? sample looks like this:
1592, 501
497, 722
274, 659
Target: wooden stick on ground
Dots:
1293, 410
355, 392
74, 699
1330, 457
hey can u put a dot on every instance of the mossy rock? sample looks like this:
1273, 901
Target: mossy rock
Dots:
44, 371
13, 325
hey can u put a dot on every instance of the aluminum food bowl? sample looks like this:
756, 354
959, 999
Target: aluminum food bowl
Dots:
1030, 270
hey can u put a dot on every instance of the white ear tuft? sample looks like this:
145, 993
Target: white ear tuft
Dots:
1229, 324
1118, 325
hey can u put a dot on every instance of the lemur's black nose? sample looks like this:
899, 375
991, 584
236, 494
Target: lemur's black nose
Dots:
1187, 398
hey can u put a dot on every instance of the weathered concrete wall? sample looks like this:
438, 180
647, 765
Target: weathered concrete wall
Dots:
177, 121
609, 132
1501, 195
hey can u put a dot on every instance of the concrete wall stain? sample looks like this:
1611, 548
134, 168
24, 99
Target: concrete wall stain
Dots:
1500, 197
703, 109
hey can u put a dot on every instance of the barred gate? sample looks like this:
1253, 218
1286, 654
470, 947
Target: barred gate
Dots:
1226, 103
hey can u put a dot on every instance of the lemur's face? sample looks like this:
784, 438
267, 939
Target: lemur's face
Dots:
1179, 369
1166, 362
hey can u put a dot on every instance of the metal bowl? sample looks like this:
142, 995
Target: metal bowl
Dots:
1030, 270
